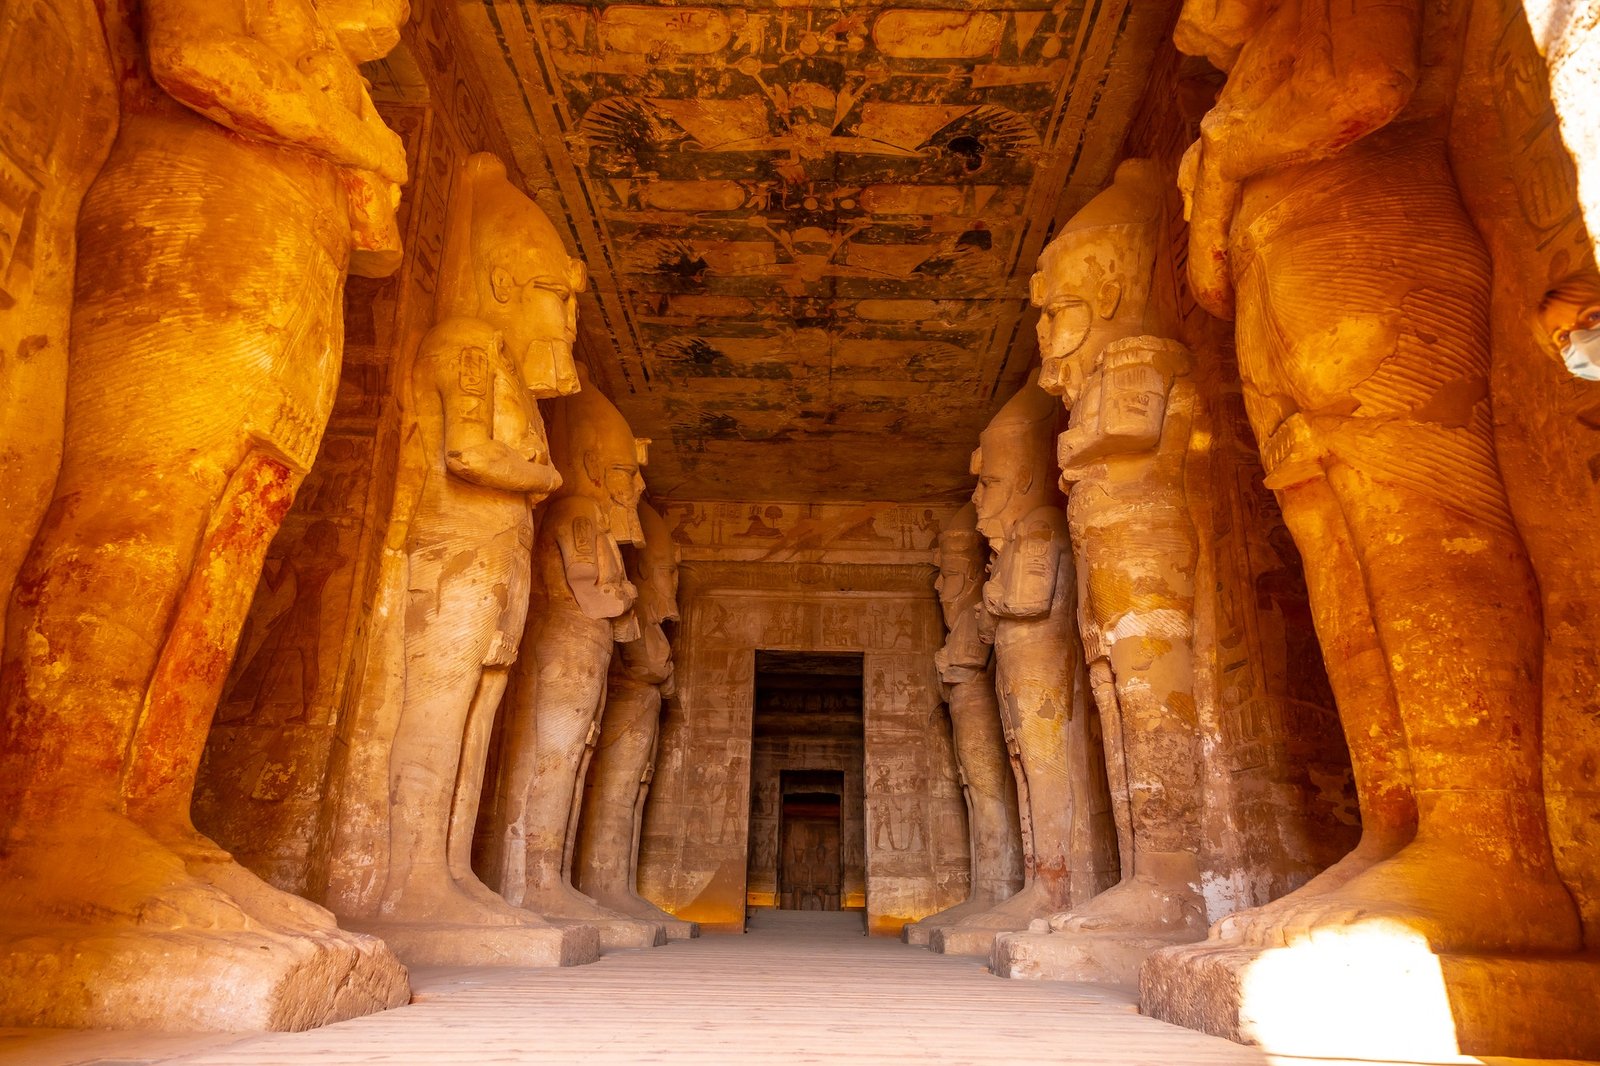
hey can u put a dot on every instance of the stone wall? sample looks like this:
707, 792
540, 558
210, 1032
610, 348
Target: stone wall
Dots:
695, 846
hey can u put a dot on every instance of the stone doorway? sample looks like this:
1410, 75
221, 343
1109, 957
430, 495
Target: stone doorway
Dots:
810, 859
807, 781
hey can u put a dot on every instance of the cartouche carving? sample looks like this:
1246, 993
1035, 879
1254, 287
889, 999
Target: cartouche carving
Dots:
1325, 217
249, 174
966, 667
605, 863
583, 604
1122, 463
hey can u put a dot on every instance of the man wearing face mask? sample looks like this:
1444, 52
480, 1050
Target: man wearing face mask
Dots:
1570, 316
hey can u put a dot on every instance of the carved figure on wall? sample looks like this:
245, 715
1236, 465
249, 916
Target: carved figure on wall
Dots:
201, 376
1122, 462
606, 861
1326, 220
1032, 595
503, 336
583, 604
966, 668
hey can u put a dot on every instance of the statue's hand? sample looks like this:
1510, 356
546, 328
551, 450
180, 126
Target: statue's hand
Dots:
1209, 201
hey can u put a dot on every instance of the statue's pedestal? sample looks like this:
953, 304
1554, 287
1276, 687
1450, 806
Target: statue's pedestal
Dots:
450, 944
194, 979
619, 932
1378, 996
966, 939
920, 933
1098, 958
678, 929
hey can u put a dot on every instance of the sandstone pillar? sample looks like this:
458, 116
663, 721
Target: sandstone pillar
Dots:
966, 667
249, 174
583, 604
1039, 676
1122, 461
476, 462
605, 863
1326, 220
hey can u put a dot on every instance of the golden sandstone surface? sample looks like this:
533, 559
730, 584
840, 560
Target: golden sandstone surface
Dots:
347, 627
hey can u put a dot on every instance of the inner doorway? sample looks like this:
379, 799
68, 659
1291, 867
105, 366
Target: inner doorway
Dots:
808, 750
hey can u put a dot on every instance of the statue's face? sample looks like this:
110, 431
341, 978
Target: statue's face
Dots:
366, 29
1217, 29
1086, 299
659, 594
991, 497
536, 297
957, 584
624, 485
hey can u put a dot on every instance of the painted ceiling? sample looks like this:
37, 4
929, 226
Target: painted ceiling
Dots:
809, 226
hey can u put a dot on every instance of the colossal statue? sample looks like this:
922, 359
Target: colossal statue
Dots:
1325, 220
1032, 594
249, 174
477, 461
1383, 456
966, 668
1122, 463
583, 604
605, 863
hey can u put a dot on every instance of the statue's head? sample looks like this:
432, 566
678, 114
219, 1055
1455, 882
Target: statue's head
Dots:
504, 263
1217, 29
1569, 320
599, 457
1094, 280
366, 29
961, 556
1013, 461
656, 566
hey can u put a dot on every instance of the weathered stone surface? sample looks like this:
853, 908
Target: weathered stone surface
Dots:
200, 379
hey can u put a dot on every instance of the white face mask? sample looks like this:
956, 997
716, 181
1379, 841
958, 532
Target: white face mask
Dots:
1582, 354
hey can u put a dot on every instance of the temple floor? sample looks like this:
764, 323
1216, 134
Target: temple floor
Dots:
802, 987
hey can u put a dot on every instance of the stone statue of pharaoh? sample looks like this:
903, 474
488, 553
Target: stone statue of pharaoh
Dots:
1032, 594
1324, 218
250, 172
606, 859
966, 669
506, 310
582, 605
1122, 463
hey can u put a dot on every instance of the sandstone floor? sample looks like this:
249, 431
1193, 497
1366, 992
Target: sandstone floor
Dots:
802, 987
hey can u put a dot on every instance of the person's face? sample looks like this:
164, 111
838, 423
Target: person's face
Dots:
1065, 320
950, 585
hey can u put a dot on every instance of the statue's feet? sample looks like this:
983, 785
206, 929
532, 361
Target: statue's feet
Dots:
102, 868
435, 898
1370, 850
1142, 904
561, 900
1037, 899
1452, 902
206, 861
